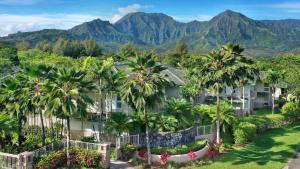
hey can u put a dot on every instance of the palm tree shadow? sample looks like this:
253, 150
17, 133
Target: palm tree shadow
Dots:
259, 152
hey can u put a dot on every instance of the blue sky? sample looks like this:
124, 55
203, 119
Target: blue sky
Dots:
29, 15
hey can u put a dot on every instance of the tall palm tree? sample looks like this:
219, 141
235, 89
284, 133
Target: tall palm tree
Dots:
272, 78
36, 93
216, 74
114, 80
245, 69
68, 94
144, 88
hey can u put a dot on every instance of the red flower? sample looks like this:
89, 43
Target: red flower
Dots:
142, 153
211, 153
192, 155
164, 157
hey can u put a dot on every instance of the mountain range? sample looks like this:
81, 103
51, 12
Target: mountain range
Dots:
261, 38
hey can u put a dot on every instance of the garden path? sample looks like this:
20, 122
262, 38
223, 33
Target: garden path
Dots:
120, 165
295, 163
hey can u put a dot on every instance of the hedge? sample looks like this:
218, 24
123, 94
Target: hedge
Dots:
182, 149
243, 129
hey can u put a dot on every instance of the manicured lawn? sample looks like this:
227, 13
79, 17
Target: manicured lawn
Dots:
271, 150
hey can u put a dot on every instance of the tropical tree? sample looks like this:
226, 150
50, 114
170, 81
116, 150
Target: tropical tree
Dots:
68, 94
14, 97
181, 110
22, 46
8, 127
118, 123
272, 78
144, 88
216, 74
245, 68
44, 46
36, 92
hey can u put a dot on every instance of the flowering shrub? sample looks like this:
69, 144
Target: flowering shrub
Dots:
77, 157
52, 160
142, 154
127, 151
192, 155
87, 158
213, 150
164, 157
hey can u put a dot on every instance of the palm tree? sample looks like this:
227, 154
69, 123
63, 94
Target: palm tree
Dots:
216, 74
68, 94
14, 96
35, 87
245, 68
144, 88
272, 77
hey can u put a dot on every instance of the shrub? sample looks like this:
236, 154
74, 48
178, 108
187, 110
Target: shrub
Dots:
87, 158
89, 139
54, 159
78, 158
181, 149
290, 110
244, 132
127, 151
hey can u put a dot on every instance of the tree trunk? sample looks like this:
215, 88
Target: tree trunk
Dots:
101, 111
231, 96
243, 100
68, 139
273, 100
147, 138
62, 128
43, 129
52, 128
218, 140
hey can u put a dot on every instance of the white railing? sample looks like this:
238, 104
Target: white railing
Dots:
132, 139
84, 145
9, 161
204, 130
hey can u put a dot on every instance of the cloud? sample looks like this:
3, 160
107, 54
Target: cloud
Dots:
130, 9
188, 18
115, 18
126, 10
290, 6
13, 23
18, 2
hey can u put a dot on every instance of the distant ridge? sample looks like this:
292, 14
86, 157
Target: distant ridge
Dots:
261, 38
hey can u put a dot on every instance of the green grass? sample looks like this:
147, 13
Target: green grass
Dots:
271, 150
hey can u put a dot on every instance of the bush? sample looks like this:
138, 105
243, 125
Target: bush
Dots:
89, 139
79, 158
127, 151
182, 149
244, 132
290, 110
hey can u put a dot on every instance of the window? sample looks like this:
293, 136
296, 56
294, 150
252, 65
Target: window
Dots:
119, 102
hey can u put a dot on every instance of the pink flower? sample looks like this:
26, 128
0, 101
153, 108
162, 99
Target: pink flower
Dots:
192, 155
164, 157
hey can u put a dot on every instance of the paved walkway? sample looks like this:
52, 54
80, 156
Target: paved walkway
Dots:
120, 165
295, 163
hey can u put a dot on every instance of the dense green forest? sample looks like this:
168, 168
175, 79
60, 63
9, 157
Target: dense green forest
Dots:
157, 31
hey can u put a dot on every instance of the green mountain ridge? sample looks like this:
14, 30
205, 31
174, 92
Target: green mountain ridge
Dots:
261, 38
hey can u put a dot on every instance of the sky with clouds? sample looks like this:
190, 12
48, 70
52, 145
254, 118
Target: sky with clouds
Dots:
30, 15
